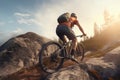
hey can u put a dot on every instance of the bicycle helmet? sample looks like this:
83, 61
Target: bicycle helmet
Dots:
73, 15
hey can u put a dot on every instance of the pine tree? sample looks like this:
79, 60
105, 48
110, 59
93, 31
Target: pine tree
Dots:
96, 29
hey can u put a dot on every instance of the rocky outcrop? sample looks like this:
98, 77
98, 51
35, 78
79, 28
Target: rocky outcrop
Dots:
103, 68
108, 66
70, 73
82, 71
20, 52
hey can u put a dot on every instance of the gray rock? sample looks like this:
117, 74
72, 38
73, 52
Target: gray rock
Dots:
108, 65
103, 68
70, 73
20, 52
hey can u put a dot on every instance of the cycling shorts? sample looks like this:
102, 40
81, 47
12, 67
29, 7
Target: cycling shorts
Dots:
63, 30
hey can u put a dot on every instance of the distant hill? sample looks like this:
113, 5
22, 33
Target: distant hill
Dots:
1, 43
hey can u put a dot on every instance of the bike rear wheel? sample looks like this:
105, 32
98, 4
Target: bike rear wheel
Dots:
49, 57
80, 51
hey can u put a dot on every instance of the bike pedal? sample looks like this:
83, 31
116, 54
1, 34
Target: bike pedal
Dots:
75, 60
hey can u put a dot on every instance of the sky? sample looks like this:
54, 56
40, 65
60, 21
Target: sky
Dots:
40, 16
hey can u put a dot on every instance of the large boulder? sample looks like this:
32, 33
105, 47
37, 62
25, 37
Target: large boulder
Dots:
108, 66
103, 68
74, 72
20, 52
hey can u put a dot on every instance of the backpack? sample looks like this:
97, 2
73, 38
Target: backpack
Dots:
63, 18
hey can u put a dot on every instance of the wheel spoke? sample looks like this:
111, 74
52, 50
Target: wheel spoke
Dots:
49, 59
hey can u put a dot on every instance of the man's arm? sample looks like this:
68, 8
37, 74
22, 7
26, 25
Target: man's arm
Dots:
80, 28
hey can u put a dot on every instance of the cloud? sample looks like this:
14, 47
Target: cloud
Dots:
26, 21
22, 14
25, 18
16, 32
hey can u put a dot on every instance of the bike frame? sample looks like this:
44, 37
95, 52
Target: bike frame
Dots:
64, 47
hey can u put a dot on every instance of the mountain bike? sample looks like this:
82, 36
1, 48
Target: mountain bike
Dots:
53, 54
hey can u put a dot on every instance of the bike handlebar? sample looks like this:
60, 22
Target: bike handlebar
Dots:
80, 35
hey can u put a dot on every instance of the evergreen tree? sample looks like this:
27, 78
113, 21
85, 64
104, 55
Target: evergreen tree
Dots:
96, 29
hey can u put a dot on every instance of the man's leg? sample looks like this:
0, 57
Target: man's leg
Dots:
74, 46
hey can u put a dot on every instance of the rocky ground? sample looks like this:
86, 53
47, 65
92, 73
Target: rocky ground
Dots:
19, 61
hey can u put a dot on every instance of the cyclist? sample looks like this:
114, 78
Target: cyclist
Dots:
66, 22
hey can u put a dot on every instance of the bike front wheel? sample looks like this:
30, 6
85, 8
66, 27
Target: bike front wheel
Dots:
49, 57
